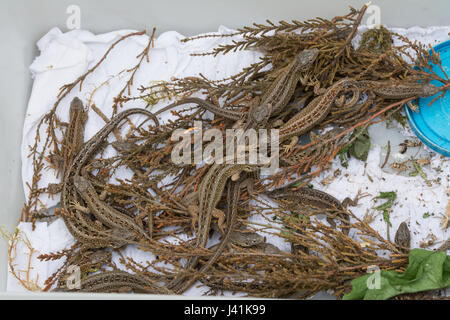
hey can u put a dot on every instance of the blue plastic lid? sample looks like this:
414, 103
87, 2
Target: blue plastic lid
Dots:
432, 123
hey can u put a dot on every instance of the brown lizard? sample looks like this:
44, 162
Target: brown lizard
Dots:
119, 281
243, 238
314, 112
280, 91
92, 235
272, 101
103, 212
393, 90
233, 195
318, 199
210, 192
73, 139
401, 90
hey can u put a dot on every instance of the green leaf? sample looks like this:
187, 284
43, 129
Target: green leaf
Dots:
359, 149
400, 118
386, 217
387, 195
427, 270
343, 156
426, 215
391, 196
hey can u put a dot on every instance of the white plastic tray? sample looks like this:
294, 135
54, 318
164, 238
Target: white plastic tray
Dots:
23, 22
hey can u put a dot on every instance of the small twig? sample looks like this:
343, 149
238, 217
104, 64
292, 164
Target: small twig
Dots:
388, 152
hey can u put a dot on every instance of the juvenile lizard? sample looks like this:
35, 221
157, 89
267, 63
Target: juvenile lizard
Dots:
210, 192
103, 212
314, 112
233, 195
401, 90
73, 139
80, 225
243, 238
393, 90
318, 199
119, 281
274, 98
280, 91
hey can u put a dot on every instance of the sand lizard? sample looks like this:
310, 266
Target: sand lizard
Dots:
103, 212
273, 99
233, 195
73, 139
314, 112
79, 225
119, 281
210, 192
280, 91
393, 90
315, 198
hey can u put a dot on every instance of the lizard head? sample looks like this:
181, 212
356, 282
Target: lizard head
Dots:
80, 183
100, 256
261, 113
122, 235
124, 146
429, 90
76, 104
306, 57
252, 239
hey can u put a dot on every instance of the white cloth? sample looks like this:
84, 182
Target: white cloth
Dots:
66, 56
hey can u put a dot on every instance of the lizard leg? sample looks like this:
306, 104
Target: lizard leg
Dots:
354, 202
414, 107
220, 215
318, 90
235, 177
103, 195
340, 101
278, 123
139, 217
304, 79
77, 206
294, 141
193, 211
249, 184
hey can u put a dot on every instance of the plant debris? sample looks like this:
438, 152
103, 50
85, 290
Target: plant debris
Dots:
325, 256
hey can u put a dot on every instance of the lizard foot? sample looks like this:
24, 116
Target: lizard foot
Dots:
354, 202
77, 206
291, 145
278, 123
414, 107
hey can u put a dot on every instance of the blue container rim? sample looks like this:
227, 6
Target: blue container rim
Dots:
436, 147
